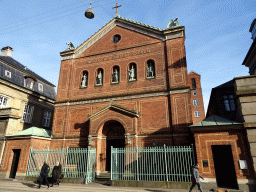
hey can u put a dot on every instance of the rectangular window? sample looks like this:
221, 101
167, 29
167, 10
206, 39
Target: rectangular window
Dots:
193, 83
195, 102
229, 103
197, 113
3, 102
47, 118
40, 87
28, 113
8, 74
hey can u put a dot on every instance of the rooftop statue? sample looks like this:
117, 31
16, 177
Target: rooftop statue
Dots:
172, 23
70, 46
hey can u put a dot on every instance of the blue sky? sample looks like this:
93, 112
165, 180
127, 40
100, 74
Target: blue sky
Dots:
217, 31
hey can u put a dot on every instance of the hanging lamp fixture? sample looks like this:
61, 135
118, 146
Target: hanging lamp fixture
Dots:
89, 13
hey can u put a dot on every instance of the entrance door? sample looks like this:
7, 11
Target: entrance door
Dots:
15, 162
224, 166
116, 143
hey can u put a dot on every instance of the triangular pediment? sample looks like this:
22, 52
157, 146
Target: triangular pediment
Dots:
116, 108
126, 24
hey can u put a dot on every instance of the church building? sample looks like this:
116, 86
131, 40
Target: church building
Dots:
124, 86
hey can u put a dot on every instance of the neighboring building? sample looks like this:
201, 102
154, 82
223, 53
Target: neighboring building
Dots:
226, 139
26, 100
250, 60
197, 102
126, 85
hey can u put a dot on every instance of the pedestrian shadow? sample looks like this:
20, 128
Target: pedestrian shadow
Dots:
154, 190
31, 185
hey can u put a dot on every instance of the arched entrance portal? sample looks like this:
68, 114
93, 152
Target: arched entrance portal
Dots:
114, 132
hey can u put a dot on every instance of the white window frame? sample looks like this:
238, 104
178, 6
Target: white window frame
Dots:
196, 102
197, 113
3, 102
28, 113
40, 87
47, 118
8, 75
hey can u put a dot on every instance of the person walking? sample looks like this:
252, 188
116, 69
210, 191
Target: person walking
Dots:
195, 178
44, 174
56, 173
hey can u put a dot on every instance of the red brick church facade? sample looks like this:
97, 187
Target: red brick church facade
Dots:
126, 85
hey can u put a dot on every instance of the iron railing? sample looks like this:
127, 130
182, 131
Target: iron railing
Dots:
76, 162
165, 163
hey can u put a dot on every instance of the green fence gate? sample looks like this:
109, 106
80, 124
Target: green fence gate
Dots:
76, 162
165, 163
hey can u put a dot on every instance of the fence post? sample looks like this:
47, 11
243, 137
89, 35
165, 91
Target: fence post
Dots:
88, 164
65, 175
165, 160
29, 160
193, 153
137, 162
47, 154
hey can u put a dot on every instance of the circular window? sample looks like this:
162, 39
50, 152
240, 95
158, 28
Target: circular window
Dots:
116, 38
194, 93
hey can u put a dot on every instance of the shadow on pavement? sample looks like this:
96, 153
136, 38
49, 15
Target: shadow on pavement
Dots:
154, 190
32, 185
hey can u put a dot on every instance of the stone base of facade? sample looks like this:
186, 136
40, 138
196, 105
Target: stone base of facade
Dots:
151, 184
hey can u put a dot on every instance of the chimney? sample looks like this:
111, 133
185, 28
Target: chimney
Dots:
6, 51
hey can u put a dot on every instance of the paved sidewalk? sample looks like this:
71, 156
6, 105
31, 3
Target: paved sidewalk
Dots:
30, 186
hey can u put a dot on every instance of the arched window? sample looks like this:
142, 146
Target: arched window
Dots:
132, 71
99, 78
115, 74
150, 68
84, 81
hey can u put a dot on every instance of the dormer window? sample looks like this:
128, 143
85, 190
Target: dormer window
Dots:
8, 74
29, 82
40, 87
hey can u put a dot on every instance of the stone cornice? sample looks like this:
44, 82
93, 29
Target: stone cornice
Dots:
26, 137
125, 97
216, 128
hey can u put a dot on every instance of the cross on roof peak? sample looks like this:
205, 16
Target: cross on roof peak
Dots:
116, 7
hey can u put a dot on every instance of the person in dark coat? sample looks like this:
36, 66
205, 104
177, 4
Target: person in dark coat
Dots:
56, 173
44, 174
195, 178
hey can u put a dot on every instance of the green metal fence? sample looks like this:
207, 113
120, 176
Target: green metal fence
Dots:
76, 162
165, 163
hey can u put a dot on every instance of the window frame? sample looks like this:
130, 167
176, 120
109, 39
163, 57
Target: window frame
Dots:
40, 87
10, 74
2, 99
229, 102
197, 113
194, 93
47, 118
193, 83
196, 102
30, 80
28, 113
